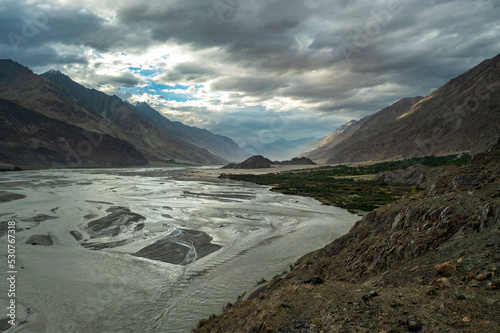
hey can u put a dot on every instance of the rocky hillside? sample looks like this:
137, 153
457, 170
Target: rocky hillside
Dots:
21, 86
298, 161
260, 162
366, 126
29, 138
427, 262
215, 144
109, 106
253, 162
156, 143
89, 111
461, 116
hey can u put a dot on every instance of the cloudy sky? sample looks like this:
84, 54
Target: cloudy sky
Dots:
254, 70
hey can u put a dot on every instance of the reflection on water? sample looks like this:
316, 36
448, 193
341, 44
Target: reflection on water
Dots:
129, 250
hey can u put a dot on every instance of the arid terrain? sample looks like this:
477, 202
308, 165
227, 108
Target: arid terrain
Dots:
427, 262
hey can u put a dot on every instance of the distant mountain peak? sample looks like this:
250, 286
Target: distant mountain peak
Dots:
282, 149
216, 144
52, 72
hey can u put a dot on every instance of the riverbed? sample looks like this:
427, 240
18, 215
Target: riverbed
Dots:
147, 250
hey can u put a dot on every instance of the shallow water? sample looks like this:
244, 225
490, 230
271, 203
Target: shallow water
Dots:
66, 287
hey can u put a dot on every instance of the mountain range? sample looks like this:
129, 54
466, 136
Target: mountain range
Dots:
92, 128
51, 120
282, 149
217, 145
461, 116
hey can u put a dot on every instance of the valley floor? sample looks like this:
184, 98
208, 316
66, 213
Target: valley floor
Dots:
138, 249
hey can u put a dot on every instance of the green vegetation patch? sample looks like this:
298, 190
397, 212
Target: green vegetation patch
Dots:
13, 169
325, 185
430, 161
341, 192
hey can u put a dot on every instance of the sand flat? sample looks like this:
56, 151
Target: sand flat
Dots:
215, 173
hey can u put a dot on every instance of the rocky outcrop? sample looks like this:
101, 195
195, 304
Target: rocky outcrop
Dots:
254, 162
260, 162
298, 161
415, 175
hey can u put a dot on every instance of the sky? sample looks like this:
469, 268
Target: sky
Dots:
254, 70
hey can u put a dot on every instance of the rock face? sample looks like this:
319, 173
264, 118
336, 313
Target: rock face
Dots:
461, 116
404, 250
260, 162
298, 161
254, 162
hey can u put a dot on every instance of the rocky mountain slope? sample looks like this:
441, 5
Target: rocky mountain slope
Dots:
461, 116
29, 138
21, 86
217, 145
427, 262
90, 111
367, 126
108, 106
156, 143
283, 149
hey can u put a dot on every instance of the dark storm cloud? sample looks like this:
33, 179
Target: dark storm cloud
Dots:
31, 32
124, 80
331, 57
190, 72
41, 55
417, 43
